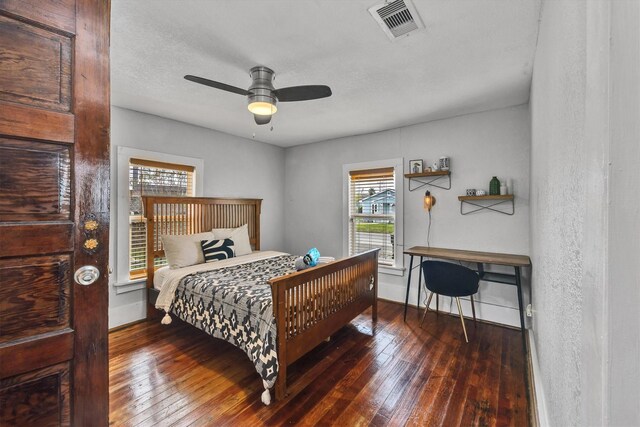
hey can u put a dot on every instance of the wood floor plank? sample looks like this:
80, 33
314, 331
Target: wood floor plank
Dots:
429, 376
386, 373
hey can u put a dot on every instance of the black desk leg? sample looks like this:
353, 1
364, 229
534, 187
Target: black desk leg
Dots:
406, 301
480, 270
420, 284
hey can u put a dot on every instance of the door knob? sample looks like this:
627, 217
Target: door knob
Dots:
86, 275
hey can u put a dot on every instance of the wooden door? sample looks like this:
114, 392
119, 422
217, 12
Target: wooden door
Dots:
54, 211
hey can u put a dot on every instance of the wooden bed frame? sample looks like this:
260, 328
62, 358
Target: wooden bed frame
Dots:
309, 305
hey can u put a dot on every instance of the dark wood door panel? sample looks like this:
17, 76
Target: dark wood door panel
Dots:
29, 239
39, 398
58, 14
35, 66
25, 122
34, 353
34, 295
35, 181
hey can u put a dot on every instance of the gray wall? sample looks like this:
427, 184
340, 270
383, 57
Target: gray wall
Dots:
479, 145
624, 216
558, 201
584, 228
233, 167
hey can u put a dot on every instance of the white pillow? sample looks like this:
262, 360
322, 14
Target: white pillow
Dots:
185, 250
240, 237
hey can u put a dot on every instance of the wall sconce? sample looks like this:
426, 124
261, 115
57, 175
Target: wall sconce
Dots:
429, 201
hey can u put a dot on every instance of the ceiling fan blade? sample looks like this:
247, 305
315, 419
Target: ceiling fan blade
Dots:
261, 120
216, 85
302, 93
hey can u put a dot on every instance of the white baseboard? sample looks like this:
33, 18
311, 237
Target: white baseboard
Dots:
128, 313
539, 399
489, 312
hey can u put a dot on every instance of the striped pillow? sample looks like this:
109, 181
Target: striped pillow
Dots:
216, 250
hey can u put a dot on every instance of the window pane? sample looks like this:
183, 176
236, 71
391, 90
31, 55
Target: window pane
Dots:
147, 178
372, 208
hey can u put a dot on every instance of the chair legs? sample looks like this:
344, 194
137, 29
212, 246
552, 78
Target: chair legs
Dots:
426, 309
437, 301
464, 329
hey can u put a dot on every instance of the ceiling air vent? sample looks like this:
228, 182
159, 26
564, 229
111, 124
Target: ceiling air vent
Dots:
398, 18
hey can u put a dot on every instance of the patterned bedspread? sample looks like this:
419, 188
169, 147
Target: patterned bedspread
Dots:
235, 304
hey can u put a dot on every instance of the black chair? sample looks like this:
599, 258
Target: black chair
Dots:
452, 280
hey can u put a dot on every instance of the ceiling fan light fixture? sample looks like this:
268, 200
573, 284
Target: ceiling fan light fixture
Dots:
262, 97
262, 108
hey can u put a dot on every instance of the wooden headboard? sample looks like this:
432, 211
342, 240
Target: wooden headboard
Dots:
189, 215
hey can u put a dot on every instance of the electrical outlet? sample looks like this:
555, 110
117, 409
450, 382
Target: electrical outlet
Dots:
529, 310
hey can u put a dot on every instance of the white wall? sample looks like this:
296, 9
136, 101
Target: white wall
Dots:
233, 167
584, 229
479, 145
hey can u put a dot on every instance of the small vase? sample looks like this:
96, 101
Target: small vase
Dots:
494, 186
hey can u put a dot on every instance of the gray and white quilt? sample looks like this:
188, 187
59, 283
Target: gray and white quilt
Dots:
235, 304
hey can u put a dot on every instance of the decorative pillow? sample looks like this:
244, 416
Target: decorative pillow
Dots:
184, 250
216, 250
240, 237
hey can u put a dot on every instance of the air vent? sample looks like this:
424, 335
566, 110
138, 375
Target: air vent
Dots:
398, 18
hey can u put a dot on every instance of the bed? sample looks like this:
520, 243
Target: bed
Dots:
307, 306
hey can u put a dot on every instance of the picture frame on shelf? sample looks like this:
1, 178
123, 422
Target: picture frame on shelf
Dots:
416, 166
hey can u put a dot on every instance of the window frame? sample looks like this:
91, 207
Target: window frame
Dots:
397, 164
124, 155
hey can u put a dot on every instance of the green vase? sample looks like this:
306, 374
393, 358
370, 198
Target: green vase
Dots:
494, 186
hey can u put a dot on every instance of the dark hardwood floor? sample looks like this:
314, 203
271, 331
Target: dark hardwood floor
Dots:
393, 373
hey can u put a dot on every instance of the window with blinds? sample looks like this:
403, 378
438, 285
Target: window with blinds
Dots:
151, 178
372, 212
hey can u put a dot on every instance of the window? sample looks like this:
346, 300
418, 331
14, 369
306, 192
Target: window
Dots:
141, 173
151, 178
373, 210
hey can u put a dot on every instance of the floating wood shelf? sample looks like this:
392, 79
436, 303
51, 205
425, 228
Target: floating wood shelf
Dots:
423, 179
423, 174
495, 197
492, 201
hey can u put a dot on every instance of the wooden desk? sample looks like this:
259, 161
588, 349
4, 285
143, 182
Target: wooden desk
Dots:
480, 259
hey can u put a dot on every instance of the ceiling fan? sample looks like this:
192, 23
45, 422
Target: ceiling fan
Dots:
262, 96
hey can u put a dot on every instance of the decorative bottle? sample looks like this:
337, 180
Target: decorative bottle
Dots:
494, 186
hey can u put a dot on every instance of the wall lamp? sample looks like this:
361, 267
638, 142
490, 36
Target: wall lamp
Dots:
429, 201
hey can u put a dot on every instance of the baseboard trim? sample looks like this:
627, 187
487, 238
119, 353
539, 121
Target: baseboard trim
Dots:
126, 325
446, 313
498, 314
537, 402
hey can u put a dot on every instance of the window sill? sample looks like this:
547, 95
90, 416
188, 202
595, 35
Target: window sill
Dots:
391, 270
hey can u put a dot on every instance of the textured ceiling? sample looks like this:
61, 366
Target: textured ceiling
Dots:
473, 55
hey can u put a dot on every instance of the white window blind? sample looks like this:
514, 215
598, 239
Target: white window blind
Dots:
372, 212
151, 178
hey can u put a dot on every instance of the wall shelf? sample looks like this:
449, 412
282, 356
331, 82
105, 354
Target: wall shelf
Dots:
428, 178
487, 203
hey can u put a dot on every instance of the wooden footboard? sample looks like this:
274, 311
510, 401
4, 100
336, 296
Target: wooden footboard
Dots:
312, 304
